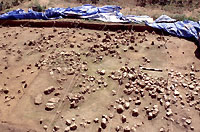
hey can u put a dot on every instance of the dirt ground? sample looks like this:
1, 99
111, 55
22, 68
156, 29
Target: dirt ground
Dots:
99, 81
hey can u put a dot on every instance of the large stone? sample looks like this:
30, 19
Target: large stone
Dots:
105, 116
5, 91
127, 129
68, 122
120, 109
102, 72
118, 128
191, 87
54, 100
137, 102
45, 127
38, 99
123, 118
73, 104
135, 112
151, 115
73, 127
169, 112
96, 120
50, 106
67, 129
103, 123
188, 121
176, 93
126, 105
162, 129
56, 128
49, 90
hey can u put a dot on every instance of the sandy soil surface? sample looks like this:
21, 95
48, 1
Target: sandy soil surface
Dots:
61, 79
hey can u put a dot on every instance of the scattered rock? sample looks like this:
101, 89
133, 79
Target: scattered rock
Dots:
56, 128
49, 90
191, 87
176, 93
150, 115
5, 91
67, 129
38, 99
120, 109
68, 122
123, 118
73, 104
73, 119
137, 102
167, 104
118, 128
50, 106
135, 112
102, 72
41, 121
103, 123
54, 100
88, 122
126, 105
127, 129
113, 92
73, 127
188, 121
169, 112
105, 116
96, 120
45, 127
162, 129
133, 129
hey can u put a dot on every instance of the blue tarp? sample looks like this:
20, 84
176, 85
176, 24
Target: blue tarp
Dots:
21, 14
108, 13
186, 29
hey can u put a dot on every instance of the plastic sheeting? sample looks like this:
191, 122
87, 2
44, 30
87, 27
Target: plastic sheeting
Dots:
108, 13
165, 18
21, 14
139, 19
186, 29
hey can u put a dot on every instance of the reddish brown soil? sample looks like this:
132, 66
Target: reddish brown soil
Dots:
26, 71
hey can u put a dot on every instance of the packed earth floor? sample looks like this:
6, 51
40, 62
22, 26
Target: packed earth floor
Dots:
61, 79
